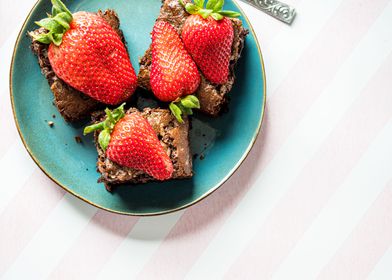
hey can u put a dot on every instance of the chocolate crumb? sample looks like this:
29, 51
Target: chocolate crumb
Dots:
195, 156
108, 187
202, 157
54, 116
78, 139
51, 124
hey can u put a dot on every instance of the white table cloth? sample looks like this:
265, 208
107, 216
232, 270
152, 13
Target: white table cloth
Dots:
312, 201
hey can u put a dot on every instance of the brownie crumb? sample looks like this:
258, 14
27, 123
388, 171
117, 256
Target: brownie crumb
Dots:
195, 156
54, 116
51, 124
202, 157
78, 139
203, 135
108, 187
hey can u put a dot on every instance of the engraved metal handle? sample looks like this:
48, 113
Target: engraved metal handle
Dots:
278, 10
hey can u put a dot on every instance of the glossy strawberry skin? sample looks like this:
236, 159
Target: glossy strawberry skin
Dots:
134, 144
93, 60
173, 72
209, 42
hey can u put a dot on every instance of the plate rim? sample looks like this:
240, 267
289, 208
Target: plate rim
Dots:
158, 213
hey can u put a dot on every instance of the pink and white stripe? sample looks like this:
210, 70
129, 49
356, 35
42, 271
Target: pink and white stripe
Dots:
312, 201
366, 244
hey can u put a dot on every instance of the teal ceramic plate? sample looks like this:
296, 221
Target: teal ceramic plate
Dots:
223, 143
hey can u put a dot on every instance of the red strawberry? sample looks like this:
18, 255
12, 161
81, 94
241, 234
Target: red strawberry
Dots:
130, 141
209, 42
134, 144
86, 53
173, 72
208, 36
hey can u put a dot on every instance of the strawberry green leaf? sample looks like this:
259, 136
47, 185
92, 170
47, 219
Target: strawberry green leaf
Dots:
42, 38
218, 6
110, 121
213, 9
217, 16
230, 14
185, 110
109, 115
55, 11
194, 99
56, 24
184, 106
57, 39
104, 139
188, 111
205, 13
59, 6
190, 102
119, 112
63, 19
176, 111
106, 127
50, 24
50, 36
211, 4
199, 3
93, 127
192, 8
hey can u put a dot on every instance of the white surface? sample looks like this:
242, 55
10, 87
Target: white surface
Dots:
224, 237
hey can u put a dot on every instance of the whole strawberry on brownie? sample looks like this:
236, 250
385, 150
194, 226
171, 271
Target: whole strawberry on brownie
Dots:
130, 141
174, 74
208, 36
214, 39
88, 54
137, 147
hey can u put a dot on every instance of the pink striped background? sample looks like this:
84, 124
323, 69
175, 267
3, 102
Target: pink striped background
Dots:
330, 85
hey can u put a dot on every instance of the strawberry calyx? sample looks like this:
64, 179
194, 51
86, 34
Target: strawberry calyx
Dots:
213, 8
106, 127
56, 24
184, 106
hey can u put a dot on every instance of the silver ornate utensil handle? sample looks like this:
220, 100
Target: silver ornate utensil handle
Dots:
278, 10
